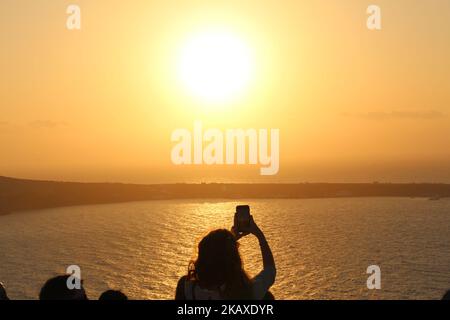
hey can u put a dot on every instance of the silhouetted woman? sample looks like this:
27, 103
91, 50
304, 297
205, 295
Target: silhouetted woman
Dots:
218, 272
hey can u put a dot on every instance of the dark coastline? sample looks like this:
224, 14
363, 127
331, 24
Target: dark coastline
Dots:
21, 194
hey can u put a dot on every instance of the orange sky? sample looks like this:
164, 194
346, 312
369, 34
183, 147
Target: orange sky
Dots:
99, 104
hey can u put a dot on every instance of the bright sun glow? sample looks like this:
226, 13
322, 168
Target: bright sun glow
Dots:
215, 66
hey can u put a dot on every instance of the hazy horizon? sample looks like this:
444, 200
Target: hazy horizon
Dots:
139, 180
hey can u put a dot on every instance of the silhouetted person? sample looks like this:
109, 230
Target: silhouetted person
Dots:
446, 296
113, 295
218, 272
56, 289
3, 295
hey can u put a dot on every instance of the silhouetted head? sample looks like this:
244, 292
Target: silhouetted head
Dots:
219, 266
56, 289
113, 295
446, 296
3, 295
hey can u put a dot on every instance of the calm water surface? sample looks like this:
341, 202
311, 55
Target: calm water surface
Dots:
322, 246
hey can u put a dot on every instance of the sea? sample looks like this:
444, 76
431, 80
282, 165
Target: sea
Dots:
322, 247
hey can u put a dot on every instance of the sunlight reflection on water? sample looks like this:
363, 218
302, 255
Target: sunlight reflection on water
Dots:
322, 246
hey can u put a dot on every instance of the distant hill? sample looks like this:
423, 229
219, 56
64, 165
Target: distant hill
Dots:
20, 194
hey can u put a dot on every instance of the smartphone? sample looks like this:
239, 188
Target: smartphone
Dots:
242, 218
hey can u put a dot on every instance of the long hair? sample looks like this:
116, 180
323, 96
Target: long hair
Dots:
219, 266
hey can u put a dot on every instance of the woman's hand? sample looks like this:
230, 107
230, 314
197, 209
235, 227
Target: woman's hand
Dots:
238, 234
252, 229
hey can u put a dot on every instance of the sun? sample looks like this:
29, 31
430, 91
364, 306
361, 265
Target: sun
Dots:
215, 66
